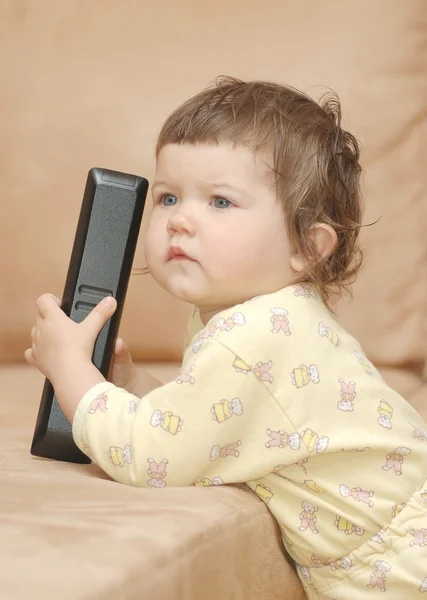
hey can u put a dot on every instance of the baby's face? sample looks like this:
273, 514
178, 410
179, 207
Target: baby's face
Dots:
218, 205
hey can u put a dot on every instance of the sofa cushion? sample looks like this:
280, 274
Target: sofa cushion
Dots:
69, 532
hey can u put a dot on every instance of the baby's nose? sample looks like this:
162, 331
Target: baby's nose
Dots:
180, 222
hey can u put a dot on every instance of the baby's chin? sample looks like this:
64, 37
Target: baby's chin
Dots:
183, 290
201, 292
204, 299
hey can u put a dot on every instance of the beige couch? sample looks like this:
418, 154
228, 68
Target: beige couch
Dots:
88, 84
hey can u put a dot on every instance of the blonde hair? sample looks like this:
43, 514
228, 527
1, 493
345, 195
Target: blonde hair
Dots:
315, 163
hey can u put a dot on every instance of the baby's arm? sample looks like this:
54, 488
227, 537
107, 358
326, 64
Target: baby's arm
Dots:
171, 435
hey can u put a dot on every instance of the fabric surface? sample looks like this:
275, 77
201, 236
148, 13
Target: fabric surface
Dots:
67, 531
276, 394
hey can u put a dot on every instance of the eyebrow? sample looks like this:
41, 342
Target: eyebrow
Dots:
220, 184
160, 182
210, 184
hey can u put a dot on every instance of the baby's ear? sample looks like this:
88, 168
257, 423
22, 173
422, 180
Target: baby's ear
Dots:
325, 241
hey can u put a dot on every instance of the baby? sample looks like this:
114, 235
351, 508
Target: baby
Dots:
255, 222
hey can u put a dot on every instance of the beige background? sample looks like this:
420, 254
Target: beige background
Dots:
88, 83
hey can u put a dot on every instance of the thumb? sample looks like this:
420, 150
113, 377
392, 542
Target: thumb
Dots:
98, 317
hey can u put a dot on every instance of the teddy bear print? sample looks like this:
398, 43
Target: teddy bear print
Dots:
206, 482
261, 370
378, 537
357, 494
221, 324
314, 487
264, 493
305, 290
420, 435
313, 442
225, 409
120, 456
420, 537
386, 414
280, 320
378, 578
237, 319
305, 575
241, 366
100, 402
185, 377
196, 345
301, 463
308, 517
423, 586
423, 496
394, 460
132, 407
283, 439
205, 334
320, 561
348, 394
364, 362
325, 331
341, 563
397, 509
167, 421
347, 527
157, 473
224, 451
303, 375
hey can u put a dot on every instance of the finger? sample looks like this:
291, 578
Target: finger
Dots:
123, 356
97, 318
118, 348
121, 348
33, 332
46, 303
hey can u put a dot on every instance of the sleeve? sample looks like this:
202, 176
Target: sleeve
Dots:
211, 424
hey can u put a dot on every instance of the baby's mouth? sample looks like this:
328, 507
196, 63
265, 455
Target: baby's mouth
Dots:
178, 254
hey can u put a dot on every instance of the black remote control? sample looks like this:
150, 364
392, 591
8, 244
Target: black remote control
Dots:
100, 265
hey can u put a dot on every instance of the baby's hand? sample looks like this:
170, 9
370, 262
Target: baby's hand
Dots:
59, 346
123, 372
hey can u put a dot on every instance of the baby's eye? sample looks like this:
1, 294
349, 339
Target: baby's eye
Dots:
168, 200
221, 203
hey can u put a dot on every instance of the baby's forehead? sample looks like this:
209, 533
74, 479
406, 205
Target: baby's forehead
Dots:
221, 162
216, 157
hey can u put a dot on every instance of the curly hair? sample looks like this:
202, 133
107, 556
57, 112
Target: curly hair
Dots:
315, 163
